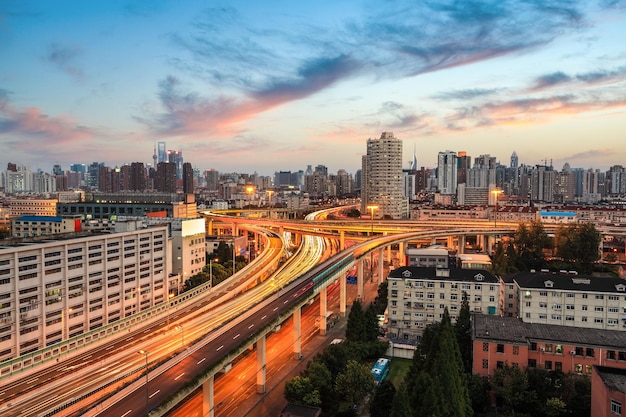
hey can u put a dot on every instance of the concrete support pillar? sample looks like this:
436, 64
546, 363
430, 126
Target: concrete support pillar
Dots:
480, 242
433, 241
342, 240
281, 231
297, 333
209, 228
389, 254
208, 402
402, 253
235, 230
261, 364
461, 244
342, 295
323, 302
359, 278
450, 243
381, 270
489, 241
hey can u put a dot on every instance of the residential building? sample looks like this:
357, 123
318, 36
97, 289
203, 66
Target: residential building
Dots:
568, 299
188, 247
32, 226
447, 172
418, 297
500, 341
382, 178
54, 289
608, 391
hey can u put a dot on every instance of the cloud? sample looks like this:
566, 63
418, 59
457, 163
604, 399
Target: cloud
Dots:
530, 110
312, 77
64, 57
466, 94
39, 132
587, 79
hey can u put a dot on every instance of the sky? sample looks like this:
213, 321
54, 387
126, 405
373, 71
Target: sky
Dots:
266, 86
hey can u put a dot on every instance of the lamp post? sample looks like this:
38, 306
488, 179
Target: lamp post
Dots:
211, 260
249, 190
169, 297
495, 193
371, 208
145, 353
269, 203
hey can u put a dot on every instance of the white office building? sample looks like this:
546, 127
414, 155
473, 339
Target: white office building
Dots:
54, 289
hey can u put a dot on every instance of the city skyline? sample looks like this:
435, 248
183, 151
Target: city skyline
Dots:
308, 85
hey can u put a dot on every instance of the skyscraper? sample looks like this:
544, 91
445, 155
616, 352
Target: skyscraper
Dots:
187, 178
166, 177
447, 172
382, 177
161, 152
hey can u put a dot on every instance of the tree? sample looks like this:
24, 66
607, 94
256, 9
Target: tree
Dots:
400, 407
355, 326
355, 383
299, 390
579, 244
383, 396
439, 387
478, 388
463, 332
380, 302
321, 378
530, 242
500, 262
510, 384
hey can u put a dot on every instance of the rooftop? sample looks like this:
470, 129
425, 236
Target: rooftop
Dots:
513, 330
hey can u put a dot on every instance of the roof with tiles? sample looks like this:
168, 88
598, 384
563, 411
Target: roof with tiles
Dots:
512, 330
439, 274
569, 282
613, 378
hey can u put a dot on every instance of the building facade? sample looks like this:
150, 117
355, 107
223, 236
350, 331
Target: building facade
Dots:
418, 297
567, 299
56, 289
382, 178
500, 341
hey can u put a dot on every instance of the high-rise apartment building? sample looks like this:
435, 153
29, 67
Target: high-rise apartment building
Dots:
447, 172
187, 178
166, 177
382, 177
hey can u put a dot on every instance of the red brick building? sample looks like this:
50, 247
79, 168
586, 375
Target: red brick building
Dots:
507, 340
608, 392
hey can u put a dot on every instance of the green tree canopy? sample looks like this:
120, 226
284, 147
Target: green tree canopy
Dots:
355, 383
439, 387
299, 390
383, 396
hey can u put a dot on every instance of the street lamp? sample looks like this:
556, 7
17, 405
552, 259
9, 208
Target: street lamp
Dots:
371, 208
145, 353
269, 203
169, 297
249, 190
495, 192
211, 260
